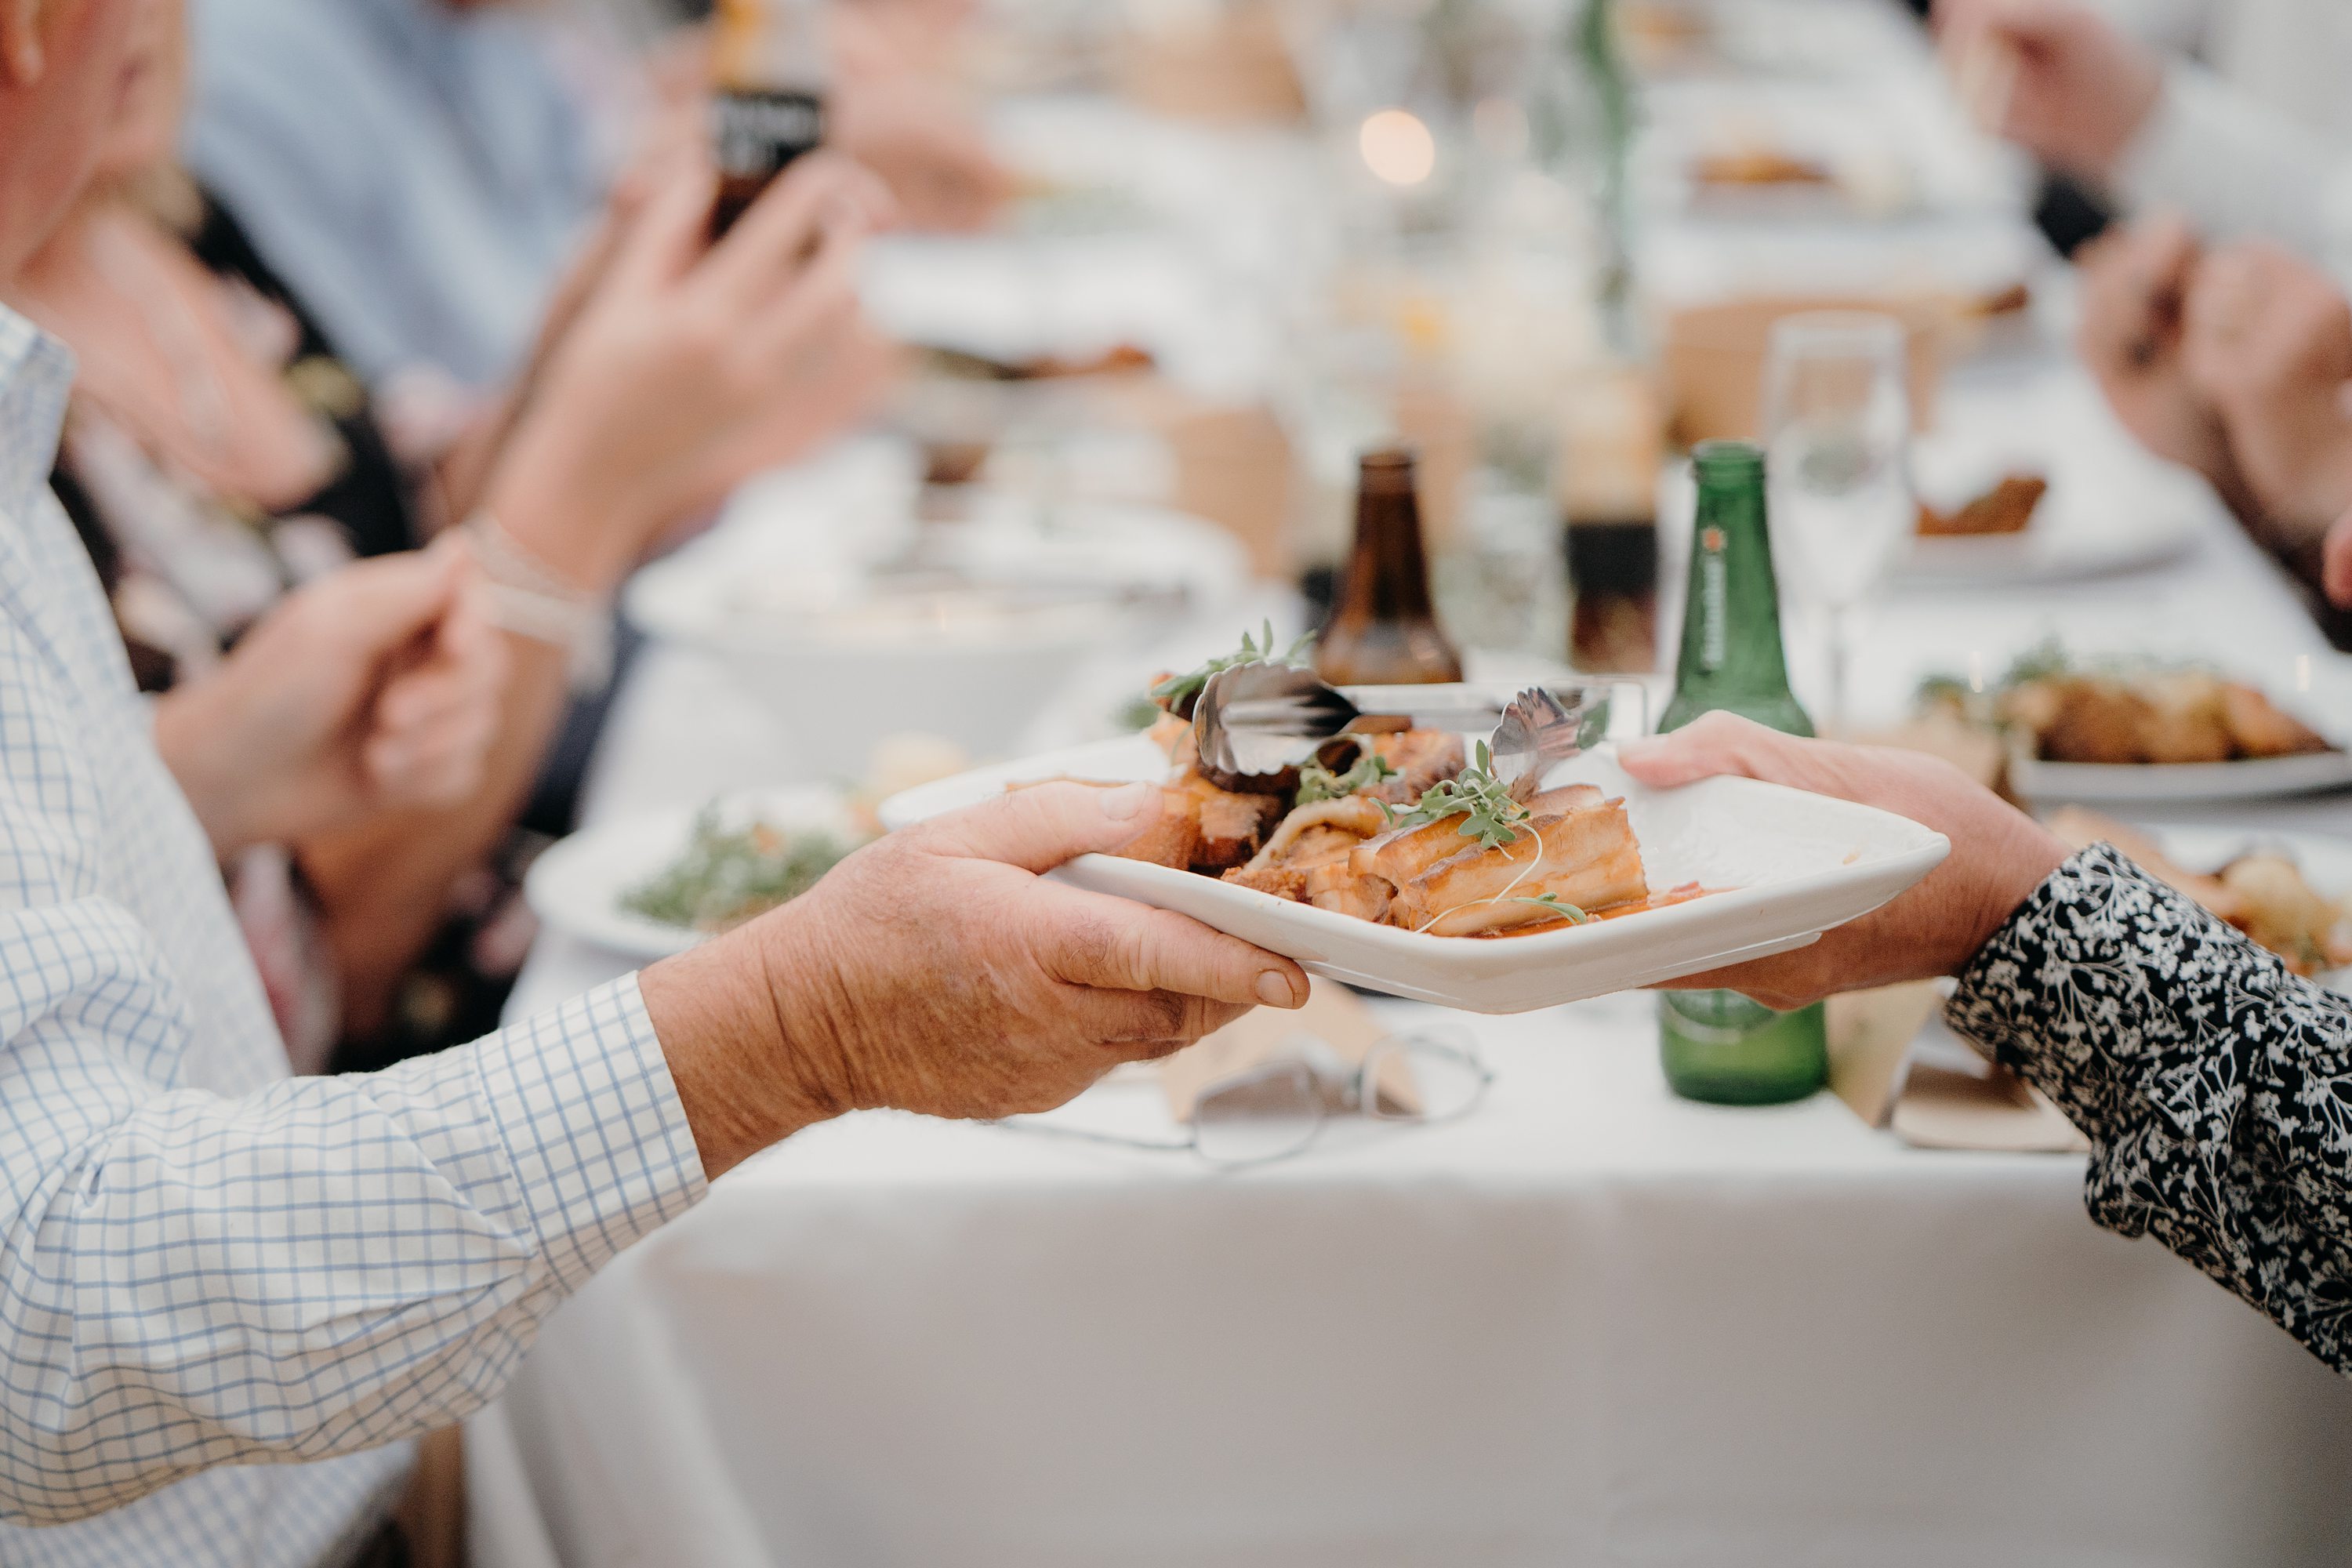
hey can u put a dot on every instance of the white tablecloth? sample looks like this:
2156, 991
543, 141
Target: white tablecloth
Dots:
1592, 1324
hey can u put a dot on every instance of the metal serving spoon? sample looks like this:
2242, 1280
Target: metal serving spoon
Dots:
1256, 724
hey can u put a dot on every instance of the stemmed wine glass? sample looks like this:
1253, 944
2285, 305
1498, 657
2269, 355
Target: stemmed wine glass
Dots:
1837, 425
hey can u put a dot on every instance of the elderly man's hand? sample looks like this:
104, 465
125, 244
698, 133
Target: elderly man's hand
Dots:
2000, 856
2052, 76
2267, 343
2134, 284
939, 972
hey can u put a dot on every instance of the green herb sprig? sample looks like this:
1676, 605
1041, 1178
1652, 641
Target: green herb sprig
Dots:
1179, 690
729, 875
1559, 907
1318, 784
1483, 803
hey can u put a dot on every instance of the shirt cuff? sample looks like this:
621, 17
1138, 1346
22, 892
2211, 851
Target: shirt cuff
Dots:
583, 1101
2228, 164
2113, 993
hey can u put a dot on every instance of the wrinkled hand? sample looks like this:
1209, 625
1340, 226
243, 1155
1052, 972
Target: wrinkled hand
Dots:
2000, 856
376, 689
2134, 289
938, 971
2267, 343
2052, 76
694, 366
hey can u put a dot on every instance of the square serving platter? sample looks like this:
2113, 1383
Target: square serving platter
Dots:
1786, 866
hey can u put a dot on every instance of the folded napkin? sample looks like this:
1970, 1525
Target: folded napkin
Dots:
1877, 1042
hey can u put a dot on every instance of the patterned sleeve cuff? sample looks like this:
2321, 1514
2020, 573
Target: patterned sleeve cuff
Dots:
590, 1119
2114, 995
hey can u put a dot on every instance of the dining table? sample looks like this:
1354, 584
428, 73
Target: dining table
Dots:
1589, 1324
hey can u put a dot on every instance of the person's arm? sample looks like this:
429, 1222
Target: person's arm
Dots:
192, 1279
2212, 1082
2235, 165
690, 370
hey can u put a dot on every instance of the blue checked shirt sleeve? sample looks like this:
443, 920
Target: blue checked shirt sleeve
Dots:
319, 1268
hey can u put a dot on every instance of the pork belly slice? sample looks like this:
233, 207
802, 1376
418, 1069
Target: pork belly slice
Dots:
1311, 840
1406, 853
1586, 857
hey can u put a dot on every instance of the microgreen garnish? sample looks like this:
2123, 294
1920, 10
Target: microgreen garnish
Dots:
1178, 691
1559, 907
1483, 803
1318, 784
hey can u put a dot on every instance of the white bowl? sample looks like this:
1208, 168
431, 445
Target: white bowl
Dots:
1788, 867
840, 684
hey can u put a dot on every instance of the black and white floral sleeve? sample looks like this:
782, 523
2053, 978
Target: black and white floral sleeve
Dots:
2214, 1085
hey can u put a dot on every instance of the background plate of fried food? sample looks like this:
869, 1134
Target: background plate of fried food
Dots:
2121, 732
1728, 871
2290, 892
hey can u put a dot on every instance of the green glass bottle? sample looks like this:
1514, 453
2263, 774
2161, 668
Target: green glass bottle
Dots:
1718, 1046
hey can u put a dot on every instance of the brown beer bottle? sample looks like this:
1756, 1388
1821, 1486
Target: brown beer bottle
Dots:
768, 109
1383, 629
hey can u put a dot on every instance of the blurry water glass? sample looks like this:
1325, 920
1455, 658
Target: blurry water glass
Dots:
1267, 1113
1837, 425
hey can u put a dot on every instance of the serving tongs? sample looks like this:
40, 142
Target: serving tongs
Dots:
1258, 724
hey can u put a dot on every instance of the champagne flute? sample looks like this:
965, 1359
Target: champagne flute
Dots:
1837, 422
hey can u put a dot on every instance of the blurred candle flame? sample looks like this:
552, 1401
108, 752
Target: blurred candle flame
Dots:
1397, 147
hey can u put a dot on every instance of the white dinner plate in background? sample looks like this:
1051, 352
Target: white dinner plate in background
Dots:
1790, 865
2177, 783
578, 885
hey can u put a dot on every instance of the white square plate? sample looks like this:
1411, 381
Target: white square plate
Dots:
1788, 867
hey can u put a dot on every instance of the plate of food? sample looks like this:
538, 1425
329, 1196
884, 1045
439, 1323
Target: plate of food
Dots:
2290, 892
1404, 863
2121, 730
649, 887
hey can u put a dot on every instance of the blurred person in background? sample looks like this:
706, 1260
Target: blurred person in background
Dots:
2229, 111
2214, 316
2211, 1081
230, 1300
219, 453
422, 171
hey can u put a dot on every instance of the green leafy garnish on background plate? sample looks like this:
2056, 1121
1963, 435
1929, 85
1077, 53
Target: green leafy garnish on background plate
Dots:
729, 875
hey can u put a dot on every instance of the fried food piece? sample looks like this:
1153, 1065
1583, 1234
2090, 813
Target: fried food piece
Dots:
1585, 855
2281, 911
1307, 859
2008, 507
2259, 728
2187, 720
1759, 166
1231, 827
1423, 759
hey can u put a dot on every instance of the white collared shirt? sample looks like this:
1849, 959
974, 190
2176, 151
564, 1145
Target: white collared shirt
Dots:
2254, 135
206, 1265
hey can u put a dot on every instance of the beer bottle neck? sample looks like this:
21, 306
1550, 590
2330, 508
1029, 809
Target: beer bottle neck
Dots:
1731, 652
1388, 574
